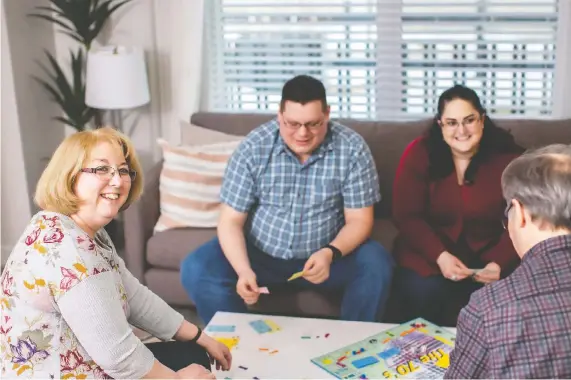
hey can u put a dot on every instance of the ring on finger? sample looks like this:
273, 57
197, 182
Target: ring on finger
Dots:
453, 277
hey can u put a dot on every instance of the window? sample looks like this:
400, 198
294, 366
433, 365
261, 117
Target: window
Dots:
383, 59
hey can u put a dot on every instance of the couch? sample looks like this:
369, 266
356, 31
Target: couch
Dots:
155, 258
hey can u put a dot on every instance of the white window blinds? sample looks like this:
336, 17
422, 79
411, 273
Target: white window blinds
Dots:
383, 59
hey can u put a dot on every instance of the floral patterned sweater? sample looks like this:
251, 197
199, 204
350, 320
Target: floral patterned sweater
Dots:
67, 301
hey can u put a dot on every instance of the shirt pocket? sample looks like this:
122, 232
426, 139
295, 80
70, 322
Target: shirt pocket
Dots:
275, 195
325, 194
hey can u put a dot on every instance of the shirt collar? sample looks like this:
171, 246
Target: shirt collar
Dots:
325, 146
556, 243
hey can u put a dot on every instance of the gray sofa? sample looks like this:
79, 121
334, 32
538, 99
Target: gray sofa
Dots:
155, 259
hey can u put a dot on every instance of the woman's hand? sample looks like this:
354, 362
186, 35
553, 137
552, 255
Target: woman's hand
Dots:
489, 274
195, 371
218, 352
451, 267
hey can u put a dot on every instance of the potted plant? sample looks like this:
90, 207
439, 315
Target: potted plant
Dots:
81, 20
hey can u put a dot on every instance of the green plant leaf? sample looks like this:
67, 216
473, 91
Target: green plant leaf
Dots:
69, 95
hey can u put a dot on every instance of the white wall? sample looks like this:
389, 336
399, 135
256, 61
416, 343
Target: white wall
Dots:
27, 39
15, 206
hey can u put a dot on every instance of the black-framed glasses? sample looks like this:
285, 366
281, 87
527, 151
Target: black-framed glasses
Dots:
506, 213
106, 172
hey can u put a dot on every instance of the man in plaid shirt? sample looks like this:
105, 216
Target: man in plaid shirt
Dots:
520, 327
298, 195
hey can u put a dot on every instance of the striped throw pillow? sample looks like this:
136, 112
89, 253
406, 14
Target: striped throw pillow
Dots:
190, 183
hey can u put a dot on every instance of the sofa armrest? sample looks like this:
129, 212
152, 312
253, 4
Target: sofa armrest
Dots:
139, 221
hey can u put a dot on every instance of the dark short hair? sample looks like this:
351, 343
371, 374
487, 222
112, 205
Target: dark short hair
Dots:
303, 89
494, 139
541, 180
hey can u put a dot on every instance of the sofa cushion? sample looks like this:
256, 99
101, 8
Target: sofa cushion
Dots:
190, 184
385, 232
166, 249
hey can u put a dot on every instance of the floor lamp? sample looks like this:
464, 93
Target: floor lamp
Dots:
116, 79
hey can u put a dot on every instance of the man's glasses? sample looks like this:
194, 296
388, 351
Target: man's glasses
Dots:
312, 125
106, 173
506, 213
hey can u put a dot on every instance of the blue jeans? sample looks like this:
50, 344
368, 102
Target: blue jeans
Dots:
365, 275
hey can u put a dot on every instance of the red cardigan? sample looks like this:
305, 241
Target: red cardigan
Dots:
431, 215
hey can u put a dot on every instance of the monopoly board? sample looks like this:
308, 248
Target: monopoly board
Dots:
416, 349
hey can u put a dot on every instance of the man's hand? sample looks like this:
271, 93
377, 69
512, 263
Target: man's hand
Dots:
247, 287
489, 274
451, 267
316, 269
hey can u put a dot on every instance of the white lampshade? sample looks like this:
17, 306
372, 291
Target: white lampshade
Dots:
116, 78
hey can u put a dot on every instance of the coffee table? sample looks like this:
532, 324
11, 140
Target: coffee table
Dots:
287, 353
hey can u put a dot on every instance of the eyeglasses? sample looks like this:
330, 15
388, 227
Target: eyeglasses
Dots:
312, 125
106, 173
506, 216
453, 124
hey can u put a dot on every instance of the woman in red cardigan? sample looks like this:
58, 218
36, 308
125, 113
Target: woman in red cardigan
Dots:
448, 208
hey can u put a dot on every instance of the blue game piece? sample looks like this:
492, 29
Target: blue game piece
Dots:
365, 362
222, 328
388, 353
260, 326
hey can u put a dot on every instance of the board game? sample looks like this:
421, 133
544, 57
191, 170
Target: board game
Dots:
416, 349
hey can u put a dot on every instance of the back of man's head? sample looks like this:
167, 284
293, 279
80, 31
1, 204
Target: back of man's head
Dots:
303, 89
540, 180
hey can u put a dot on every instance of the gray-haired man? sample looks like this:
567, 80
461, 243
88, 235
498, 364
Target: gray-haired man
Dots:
520, 327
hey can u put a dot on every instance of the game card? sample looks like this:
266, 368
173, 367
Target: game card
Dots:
295, 275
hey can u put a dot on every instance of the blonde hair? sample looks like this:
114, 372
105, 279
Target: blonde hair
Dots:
55, 189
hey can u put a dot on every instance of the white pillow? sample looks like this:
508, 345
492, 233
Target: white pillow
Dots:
190, 183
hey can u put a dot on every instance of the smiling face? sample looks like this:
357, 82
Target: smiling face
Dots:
303, 127
462, 127
102, 196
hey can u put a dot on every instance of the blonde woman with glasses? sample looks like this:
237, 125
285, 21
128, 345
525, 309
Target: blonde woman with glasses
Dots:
67, 298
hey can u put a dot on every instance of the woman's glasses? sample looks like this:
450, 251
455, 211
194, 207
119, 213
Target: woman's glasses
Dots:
106, 172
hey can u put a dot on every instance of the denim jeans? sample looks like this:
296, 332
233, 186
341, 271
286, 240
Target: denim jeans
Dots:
364, 276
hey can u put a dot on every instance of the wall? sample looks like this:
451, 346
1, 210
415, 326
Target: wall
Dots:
171, 35
133, 24
15, 207
27, 38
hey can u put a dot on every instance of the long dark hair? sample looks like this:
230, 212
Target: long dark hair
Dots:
494, 139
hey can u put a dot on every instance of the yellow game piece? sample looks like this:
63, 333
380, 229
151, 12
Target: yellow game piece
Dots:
443, 340
272, 325
443, 362
327, 361
295, 275
228, 342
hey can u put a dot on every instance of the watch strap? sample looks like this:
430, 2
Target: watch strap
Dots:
337, 254
197, 336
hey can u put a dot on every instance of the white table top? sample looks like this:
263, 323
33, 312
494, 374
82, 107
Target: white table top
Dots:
293, 359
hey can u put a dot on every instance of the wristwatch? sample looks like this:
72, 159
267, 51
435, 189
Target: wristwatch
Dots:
336, 252
197, 336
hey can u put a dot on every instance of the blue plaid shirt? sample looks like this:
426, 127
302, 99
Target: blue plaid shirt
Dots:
296, 209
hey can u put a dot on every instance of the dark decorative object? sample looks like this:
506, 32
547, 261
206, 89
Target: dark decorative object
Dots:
81, 20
